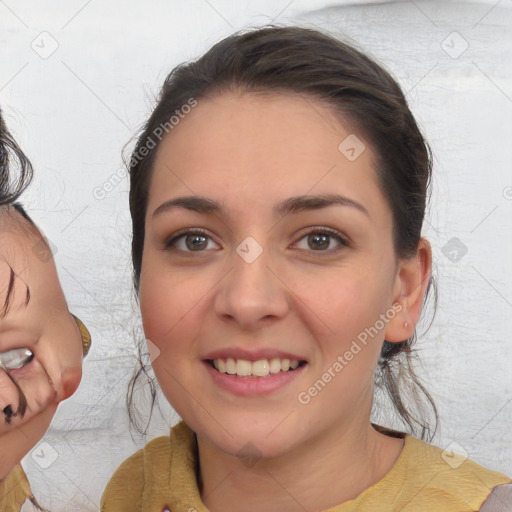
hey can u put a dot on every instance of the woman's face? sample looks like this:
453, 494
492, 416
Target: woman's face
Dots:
266, 278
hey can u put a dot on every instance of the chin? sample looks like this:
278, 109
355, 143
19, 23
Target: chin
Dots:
245, 435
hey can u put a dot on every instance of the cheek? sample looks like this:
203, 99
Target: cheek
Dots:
346, 304
173, 306
340, 307
345, 300
170, 302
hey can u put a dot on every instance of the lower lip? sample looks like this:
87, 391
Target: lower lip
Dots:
253, 386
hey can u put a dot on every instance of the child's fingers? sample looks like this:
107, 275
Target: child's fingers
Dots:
34, 392
16, 443
9, 399
37, 387
32, 399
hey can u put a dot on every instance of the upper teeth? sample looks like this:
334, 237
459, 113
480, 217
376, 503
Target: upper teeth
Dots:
259, 368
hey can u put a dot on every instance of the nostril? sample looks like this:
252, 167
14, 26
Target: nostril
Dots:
7, 410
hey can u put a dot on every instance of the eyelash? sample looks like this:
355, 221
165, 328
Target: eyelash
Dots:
322, 230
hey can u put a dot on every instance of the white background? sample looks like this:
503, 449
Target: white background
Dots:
75, 109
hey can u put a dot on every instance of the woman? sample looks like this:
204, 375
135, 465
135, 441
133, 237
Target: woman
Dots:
279, 263
277, 197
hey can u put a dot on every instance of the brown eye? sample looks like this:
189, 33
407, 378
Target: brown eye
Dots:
319, 241
196, 242
191, 241
322, 240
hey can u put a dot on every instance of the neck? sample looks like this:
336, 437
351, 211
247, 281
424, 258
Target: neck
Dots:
343, 463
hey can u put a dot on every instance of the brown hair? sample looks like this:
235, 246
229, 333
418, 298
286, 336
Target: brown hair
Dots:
306, 61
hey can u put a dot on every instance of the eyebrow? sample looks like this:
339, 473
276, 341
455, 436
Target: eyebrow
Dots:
291, 205
10, 293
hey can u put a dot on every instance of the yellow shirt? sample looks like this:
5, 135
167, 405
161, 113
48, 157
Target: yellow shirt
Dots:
163, 474
14, 490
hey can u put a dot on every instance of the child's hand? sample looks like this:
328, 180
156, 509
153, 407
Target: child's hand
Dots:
31, 392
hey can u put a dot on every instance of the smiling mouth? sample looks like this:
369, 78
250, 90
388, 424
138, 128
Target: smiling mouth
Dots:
257, 369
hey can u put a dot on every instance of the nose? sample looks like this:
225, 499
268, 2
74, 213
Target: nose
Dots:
251, 294
71, 378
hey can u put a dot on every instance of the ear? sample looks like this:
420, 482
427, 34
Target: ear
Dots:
409, 289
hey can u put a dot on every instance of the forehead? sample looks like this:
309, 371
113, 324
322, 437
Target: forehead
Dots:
16, 232
240, 146
21, 264
14, 261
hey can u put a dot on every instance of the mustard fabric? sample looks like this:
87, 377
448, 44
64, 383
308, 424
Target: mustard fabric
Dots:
14, 490
163, 474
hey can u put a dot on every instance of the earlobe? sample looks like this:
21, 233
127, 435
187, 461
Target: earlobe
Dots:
399, 328
410, 285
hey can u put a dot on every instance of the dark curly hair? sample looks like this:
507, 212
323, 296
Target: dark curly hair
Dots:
12, 184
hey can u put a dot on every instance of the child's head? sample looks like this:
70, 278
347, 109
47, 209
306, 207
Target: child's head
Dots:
277, 197
33, 309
